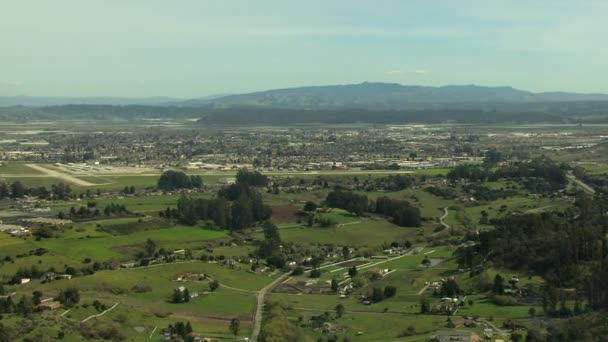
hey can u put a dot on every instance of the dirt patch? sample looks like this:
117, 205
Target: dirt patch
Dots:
284, 214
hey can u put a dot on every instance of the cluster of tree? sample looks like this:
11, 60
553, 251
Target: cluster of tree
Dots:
6, 334
68, 297
449, 288
390, 183
236, 206
447, 193
32, 273
128, 190
352, 202
567, 249
91, 210
60, 191
395, 182
181, 329
469, 172
24, 307
377, 294
492, 157
483, 193
180, 296
173, 180
588, 327
251, 178
402, 213
541, 174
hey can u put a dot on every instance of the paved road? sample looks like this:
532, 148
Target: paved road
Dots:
580, 183
60, 175
259, 309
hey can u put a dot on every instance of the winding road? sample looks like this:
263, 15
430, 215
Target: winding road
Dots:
445, 225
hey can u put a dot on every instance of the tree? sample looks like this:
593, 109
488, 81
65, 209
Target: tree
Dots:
4, 192
36, 297
234, 326
68, 297
532, 312
534, 336
25, 306
377, 295
492, 158
186, 295
334, 285
339, 310
498, 287
390, 291
345, 252
17, 190
177, 296
251, 178
150, 247
213, 285
425, 306
426, 262
310, 206
352, 272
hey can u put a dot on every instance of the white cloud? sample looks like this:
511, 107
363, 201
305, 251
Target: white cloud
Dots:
420, 71
394, 72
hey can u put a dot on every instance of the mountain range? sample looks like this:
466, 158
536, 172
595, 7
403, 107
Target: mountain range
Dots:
386, 96
374, 103
363, 95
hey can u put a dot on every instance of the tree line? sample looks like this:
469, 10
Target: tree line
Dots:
16, 189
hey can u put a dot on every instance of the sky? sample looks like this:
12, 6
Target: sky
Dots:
194, 48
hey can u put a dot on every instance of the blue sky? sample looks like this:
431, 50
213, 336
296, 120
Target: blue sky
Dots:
194, 48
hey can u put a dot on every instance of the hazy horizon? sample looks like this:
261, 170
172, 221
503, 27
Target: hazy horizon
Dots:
67, 48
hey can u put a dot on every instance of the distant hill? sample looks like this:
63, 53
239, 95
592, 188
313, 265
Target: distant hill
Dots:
387, 96
37, 101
